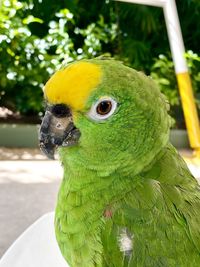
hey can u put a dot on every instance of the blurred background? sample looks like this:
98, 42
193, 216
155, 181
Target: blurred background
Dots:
36, 38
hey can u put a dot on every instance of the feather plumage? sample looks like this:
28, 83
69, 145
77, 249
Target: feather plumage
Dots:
124, 175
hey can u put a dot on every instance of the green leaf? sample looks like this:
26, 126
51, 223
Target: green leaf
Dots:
31, 19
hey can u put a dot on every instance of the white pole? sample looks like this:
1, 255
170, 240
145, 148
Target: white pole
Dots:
173, 29
175, 36
182, 75
180, 64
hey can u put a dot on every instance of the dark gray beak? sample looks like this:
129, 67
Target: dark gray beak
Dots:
57, 129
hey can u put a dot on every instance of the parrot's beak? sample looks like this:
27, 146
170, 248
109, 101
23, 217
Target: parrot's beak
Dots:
57, 129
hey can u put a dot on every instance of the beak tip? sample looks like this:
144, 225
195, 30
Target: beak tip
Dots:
48, 151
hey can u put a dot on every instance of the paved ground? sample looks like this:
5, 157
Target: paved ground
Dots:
28, 188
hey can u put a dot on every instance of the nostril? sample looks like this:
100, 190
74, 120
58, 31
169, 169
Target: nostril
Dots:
60, 111
58, 125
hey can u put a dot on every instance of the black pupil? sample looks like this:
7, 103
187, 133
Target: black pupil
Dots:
60, 110
104, 107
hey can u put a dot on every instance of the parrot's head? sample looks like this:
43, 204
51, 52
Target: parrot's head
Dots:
105, 115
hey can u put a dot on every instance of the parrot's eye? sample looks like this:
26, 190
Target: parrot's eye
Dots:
103, 108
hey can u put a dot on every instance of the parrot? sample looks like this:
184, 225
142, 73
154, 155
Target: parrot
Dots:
127, 198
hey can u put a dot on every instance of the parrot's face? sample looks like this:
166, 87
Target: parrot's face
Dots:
104, 112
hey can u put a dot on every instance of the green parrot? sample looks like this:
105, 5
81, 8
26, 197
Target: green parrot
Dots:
127, 198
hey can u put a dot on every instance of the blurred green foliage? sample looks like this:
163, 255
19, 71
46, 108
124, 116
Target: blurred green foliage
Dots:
162, 71
33, 47
37, 36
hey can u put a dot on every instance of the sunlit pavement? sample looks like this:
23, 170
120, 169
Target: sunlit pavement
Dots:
28, 188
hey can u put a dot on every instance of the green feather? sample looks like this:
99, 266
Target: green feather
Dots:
127, 198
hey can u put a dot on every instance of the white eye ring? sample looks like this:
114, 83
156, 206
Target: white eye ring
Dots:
103, 108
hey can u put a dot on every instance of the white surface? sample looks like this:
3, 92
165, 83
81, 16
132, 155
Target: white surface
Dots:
36, 247
195, 170
173, 29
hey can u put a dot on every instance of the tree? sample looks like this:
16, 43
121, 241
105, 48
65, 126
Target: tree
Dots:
37, 36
